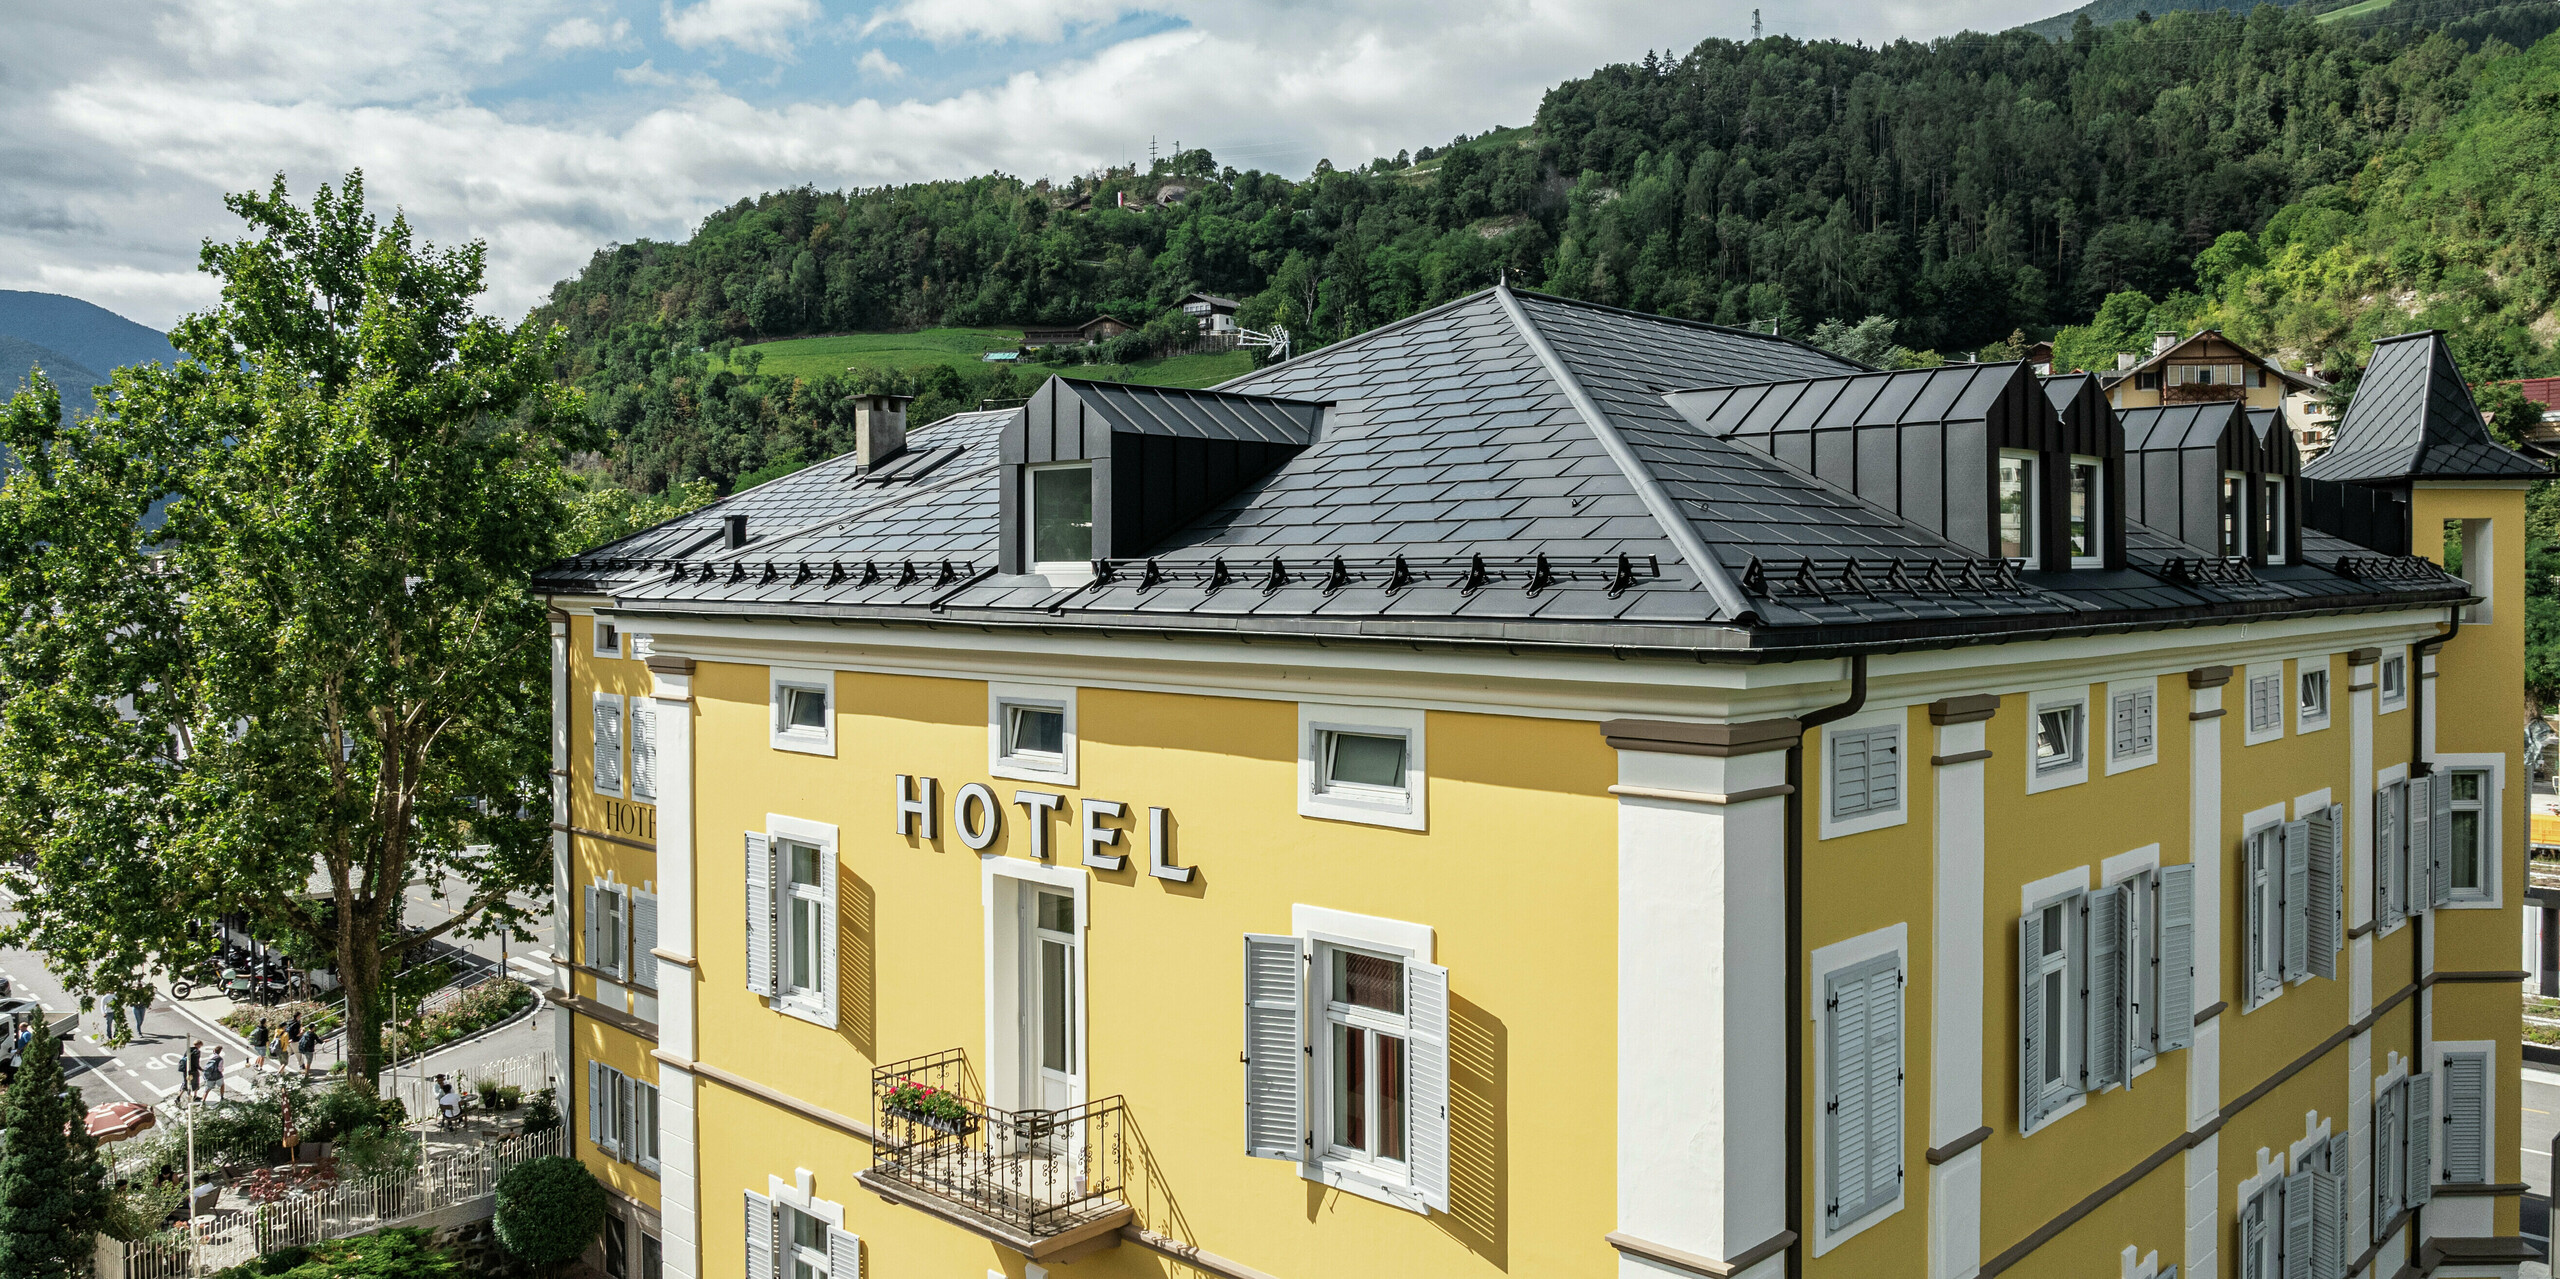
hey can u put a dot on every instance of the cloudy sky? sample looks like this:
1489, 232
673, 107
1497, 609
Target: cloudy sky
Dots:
550, 127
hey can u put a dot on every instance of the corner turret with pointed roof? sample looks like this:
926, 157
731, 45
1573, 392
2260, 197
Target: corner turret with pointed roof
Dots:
2412, 419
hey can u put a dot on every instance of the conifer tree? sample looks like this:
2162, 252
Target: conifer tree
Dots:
53, 1189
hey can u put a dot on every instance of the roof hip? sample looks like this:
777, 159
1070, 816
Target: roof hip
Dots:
1729, 598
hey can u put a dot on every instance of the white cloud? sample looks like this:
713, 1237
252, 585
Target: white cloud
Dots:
130, 118
1045, 21
757, 26
586, 33
877, 65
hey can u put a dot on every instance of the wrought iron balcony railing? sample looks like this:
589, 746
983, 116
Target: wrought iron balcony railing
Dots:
1036, 1176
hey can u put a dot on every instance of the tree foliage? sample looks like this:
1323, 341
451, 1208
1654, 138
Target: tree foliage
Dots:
53, 1189
321, 672
549, 1210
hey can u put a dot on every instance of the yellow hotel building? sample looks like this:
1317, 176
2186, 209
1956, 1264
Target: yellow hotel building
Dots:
1542, 790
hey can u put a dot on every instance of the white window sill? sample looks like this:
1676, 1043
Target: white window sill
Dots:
1352, 1178
805, 743
1015, 768
2057, 1114
2388, 707
1824, 1240
1882, 819
2055, 779
2311, 725
2132, 762
1335, 807
795, 1006
2471, 903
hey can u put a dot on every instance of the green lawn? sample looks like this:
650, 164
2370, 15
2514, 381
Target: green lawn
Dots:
2354, 10
1182, 370
810, 357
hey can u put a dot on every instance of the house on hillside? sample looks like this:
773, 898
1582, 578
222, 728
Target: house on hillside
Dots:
2542, 437
1101, 328
1216, 314
2209, 367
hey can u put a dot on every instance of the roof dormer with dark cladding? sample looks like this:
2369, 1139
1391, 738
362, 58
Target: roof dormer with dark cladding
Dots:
2412, 420
1507, 469
1926, 444
2206, 475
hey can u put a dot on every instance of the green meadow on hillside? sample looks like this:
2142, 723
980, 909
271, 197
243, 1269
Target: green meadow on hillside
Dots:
819, 356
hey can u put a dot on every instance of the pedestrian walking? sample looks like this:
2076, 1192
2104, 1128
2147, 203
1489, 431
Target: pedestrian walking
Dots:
292, 1027
195, 1065
258, 1041
213, 1074
137, 1008
310, 1046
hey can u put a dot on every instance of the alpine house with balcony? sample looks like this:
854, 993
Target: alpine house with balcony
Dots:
1537, 789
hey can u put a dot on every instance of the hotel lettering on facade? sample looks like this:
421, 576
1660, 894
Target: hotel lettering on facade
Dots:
1543, 790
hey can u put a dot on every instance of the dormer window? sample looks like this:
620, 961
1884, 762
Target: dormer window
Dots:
2271, 514
2235, 527
2018, 507
2085, 521
1061, 517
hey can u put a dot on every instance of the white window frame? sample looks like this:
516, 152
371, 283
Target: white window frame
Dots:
2391, 680
2265, 882
2305, 719
2141, 688
2491, 895
2032, 543
2097, 510
621, 788
2076, 770
2034, 899
2271, 500
2237, 533
1331, 1018
818, 1008
1030, 516
1896, 719
619, 1121
1892, 940
2269, 676
1001, 698
597, 629
1317, 721
806, 679
1317, 928
2386, 852
2142, 866
794, 1196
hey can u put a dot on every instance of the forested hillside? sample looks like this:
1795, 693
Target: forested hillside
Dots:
1968, 188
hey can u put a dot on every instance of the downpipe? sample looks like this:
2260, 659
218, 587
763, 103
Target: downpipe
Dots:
2421, 766
1794, 874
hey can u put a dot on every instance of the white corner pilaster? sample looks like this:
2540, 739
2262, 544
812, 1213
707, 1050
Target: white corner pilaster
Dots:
1956, 989
2204, 1057
679, 1188
1702, 949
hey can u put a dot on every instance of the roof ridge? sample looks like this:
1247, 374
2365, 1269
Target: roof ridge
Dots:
1824, 377
1706, 325
1675, 523
1362, 336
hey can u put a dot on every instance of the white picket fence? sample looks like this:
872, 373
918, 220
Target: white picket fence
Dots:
442, 1181
415, 1085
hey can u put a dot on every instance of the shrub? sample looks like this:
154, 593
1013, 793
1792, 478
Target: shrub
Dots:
375, 1152
549, 1210
240, 1132
542, 1114
393, 1254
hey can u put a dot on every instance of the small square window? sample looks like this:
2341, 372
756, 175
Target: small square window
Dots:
608, 639
2132, 735
803, 712
804, 709
1035, 733
2314, 695
1031, 732
1361, 764
2395, 679
2266, 705
2057, 738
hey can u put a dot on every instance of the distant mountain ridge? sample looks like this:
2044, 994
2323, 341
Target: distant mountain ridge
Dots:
78, 344
2109, 12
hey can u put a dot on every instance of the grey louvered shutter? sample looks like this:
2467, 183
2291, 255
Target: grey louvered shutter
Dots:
1884, 770
626, 1108
2388, 1151
1849, 772
2417, 804
762, 962
764, 1237
844, 1255
599, 1106
1274, 1048
2260, 857
2142, 737
644, 748
2298, 1226
2120, 726
617, 937
608, 741
591, 932
2176, 1019
2385, 826
2421, 1103
2103, 1036
2253, 1236
2440, 841
1427, 1081
2296, 912
1864, 1059
2466, 1117
644, 939
2321, 913
2329, 1212
827, 935
2031, 1095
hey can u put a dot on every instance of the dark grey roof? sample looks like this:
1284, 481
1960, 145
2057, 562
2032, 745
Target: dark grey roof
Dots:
2179, 426
2412, 418
1205, 415
1502, 468
1948, 393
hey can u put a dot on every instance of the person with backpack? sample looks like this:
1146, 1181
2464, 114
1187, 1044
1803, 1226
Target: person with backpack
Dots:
309, 1045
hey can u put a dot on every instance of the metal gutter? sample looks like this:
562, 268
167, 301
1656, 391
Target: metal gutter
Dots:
1729, 598
1794, 890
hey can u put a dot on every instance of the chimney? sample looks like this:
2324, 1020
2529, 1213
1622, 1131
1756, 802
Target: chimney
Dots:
879, 428
2162, 340
2124, 360
734, 532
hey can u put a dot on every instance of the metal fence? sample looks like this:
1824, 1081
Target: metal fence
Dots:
1039, 1171
443, 1180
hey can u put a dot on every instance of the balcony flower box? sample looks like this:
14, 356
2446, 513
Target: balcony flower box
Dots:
929, 1107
